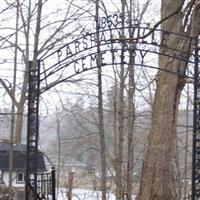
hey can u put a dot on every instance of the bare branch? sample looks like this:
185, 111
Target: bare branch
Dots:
156, 25
8, 90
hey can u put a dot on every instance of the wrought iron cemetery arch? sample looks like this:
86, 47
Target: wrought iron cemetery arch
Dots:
117, 46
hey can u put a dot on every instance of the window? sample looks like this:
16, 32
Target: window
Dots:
20, 177
1, 177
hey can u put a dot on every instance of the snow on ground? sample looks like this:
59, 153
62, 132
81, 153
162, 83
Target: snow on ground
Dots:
83, 194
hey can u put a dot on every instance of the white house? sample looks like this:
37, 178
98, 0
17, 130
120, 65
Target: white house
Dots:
19, 163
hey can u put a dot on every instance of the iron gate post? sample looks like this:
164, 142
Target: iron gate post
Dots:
32, 131
196, 128
53, 177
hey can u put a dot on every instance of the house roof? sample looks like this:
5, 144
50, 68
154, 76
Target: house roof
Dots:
19, 158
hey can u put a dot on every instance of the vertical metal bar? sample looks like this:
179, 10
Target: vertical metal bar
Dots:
37, 130
32, 131
28, 181
41, 184
53, 182
195, 123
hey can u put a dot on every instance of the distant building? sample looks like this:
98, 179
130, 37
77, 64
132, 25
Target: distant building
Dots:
19, 164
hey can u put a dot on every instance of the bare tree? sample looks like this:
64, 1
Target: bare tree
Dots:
157, 180
31, 24
100, 111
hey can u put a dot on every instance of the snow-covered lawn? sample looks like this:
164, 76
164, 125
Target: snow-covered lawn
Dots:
83, 194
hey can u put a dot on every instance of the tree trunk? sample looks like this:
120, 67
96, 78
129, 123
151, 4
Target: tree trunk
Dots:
120, 138
130, 127
100, 111
120, 118
157, 181
20, 108
12, 129
157, 178
19, 120
130, 111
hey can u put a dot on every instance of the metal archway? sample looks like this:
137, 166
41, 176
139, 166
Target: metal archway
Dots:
116, 48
